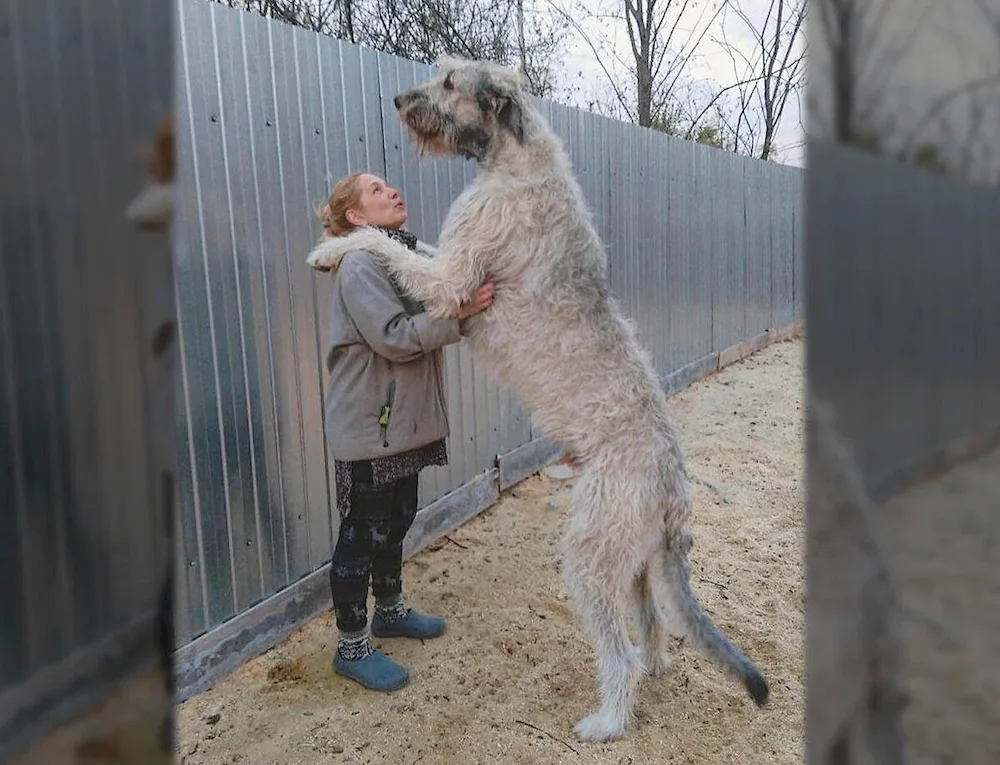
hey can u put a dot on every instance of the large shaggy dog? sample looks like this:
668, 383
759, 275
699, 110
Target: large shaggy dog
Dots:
559, 340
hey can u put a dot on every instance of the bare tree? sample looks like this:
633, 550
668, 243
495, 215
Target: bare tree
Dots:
514, 34
855, 54
663, 35
325, 16
768, 76
520, 36
663, 45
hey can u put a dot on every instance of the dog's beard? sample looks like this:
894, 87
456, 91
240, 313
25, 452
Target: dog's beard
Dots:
426, 145
427, 131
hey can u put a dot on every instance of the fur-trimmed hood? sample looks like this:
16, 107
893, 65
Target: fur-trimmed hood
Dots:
328, 254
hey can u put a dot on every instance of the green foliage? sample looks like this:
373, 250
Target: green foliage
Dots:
931, 158
666, 123
710, 135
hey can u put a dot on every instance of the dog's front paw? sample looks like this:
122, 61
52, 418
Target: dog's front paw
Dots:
600, 727
321, 261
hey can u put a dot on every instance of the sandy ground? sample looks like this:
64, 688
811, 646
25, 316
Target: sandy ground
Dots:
514, 673
943, 543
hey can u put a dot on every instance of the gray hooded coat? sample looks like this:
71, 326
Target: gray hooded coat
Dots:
385, 393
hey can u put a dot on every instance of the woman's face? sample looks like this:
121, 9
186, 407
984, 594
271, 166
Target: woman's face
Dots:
379, 205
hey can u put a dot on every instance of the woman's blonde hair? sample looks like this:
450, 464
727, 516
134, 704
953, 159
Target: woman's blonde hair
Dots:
346, 194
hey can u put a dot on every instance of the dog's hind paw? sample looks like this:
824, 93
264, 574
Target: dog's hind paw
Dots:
656, 664
600, 727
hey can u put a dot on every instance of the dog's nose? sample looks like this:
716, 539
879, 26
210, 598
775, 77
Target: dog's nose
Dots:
398, 101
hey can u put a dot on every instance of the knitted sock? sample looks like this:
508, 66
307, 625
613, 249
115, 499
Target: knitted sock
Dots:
391, 609
354, 646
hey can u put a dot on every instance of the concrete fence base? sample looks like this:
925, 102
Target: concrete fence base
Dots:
219, 652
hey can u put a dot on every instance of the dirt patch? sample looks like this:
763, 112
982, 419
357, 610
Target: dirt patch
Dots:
284, 672
513, 673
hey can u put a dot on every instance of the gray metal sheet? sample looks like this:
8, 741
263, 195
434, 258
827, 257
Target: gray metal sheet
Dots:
630, 162
781, 219
615, 237
191, 612
701, 244
304, 230
758, 255
283, 267
265, 236
660, 340
728, 286
798, 247
679, 177
204, 331
359, 75
647, 245
229, 229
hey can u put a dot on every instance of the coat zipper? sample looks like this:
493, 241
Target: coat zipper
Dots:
386, 413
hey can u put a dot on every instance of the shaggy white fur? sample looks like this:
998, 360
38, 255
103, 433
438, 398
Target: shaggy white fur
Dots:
560, 341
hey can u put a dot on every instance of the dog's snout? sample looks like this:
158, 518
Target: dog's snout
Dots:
407, 98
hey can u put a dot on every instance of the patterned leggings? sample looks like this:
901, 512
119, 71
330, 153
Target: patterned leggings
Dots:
370, 546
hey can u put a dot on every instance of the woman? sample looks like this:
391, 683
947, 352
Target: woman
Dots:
386, 420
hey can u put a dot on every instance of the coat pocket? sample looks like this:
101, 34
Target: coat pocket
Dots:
385, 413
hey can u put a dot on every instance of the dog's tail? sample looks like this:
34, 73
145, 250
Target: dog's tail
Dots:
707, 637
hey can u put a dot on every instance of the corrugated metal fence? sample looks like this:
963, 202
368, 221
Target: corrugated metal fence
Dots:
903, 285
82, 294
704, 248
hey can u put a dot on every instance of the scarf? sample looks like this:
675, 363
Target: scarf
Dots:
402, 236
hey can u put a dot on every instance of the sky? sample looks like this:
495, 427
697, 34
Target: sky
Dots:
712, 63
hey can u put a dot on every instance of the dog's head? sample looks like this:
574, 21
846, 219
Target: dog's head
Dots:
468, 109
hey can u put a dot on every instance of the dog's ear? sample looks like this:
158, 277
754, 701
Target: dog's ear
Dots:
510, 117
496, 95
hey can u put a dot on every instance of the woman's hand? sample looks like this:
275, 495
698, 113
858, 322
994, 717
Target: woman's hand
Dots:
482, 300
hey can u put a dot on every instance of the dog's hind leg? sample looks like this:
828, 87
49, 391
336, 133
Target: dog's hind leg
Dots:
601, 563
655, 620
600, 601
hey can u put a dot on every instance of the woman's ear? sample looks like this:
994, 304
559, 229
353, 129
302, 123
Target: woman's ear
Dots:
353, 218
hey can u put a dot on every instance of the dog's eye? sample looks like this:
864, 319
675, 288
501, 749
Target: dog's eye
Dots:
448, 84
